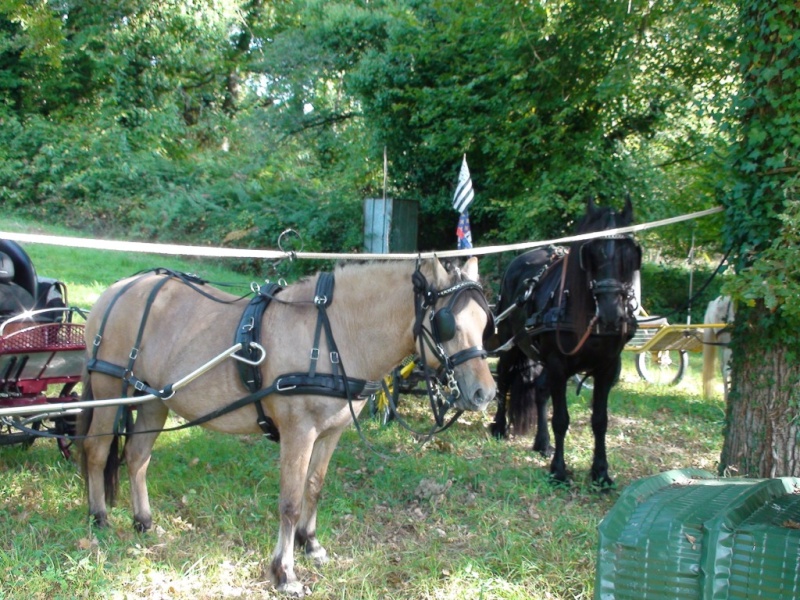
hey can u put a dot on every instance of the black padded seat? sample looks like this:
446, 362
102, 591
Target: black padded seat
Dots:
14, 299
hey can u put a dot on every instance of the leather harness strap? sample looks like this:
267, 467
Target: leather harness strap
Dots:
335, 385
323, 297
249, 332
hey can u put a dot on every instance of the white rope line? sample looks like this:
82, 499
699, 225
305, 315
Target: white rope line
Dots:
209, 251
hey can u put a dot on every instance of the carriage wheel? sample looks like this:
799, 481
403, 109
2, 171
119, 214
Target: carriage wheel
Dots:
663, 367
65, 426
379, 403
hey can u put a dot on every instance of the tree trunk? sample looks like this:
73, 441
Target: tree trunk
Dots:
763, 408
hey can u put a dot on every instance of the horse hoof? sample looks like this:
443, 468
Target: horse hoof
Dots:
294, 589
547, 452
559, 481
100, 519
497, 431
604, 485
142, 526
318, 555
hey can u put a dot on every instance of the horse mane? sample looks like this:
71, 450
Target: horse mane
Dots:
581, 306
369, 274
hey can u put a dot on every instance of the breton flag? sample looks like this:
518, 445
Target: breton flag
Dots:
461, 201
464, 194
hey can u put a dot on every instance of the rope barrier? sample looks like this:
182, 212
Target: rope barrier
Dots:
208, 251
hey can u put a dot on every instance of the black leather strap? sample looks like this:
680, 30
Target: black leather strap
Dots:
294, 384
249, 331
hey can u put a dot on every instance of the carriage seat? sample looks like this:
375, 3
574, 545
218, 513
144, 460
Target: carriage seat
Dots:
14, 299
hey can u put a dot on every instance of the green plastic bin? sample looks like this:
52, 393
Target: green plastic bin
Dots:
690, 534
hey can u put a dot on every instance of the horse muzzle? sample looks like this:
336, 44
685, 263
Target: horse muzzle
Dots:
477, 400
476, 387
612, 301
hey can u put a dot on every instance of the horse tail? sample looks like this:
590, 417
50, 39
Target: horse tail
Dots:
113, 461
82, 423
710, 343
523, 394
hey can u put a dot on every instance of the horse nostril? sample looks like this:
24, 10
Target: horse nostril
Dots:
482, 396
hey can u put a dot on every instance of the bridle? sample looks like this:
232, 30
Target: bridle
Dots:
442, 329
609, 285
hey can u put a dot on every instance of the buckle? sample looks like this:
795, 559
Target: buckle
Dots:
281, 388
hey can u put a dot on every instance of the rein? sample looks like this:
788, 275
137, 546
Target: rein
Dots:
589, 327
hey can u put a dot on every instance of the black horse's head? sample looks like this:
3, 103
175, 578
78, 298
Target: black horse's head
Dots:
601, 270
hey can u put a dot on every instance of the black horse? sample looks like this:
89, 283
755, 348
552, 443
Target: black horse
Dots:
564, 311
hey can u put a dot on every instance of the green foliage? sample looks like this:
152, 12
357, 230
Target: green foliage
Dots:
166, 136
551, 103
772, 278
762, 203
116, 115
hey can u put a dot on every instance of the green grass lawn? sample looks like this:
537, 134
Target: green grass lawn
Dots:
464, 516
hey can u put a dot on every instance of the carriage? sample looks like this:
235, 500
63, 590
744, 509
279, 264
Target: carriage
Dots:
41, 353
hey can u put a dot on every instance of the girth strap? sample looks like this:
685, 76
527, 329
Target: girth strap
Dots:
293, 384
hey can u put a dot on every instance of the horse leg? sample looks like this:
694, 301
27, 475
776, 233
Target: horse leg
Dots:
558, 467
306, 534
541, 442
505, 374
138, 449
96, 453
296, 450
603, 382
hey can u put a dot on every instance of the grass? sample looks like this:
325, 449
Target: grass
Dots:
464, 516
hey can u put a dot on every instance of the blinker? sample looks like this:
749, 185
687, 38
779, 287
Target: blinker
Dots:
443, 324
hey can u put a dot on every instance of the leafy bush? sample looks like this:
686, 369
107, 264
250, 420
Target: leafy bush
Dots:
665, 290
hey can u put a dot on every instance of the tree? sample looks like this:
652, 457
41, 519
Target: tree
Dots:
762, 436
551, 101
230, 116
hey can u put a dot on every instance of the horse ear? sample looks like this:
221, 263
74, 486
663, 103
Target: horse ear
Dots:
439, 272
627, 212
470, 269
591, 207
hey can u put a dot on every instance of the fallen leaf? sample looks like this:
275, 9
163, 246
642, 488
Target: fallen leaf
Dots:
87, 543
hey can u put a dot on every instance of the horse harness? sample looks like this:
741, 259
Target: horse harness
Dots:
551, 315
336, 384
443, 329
